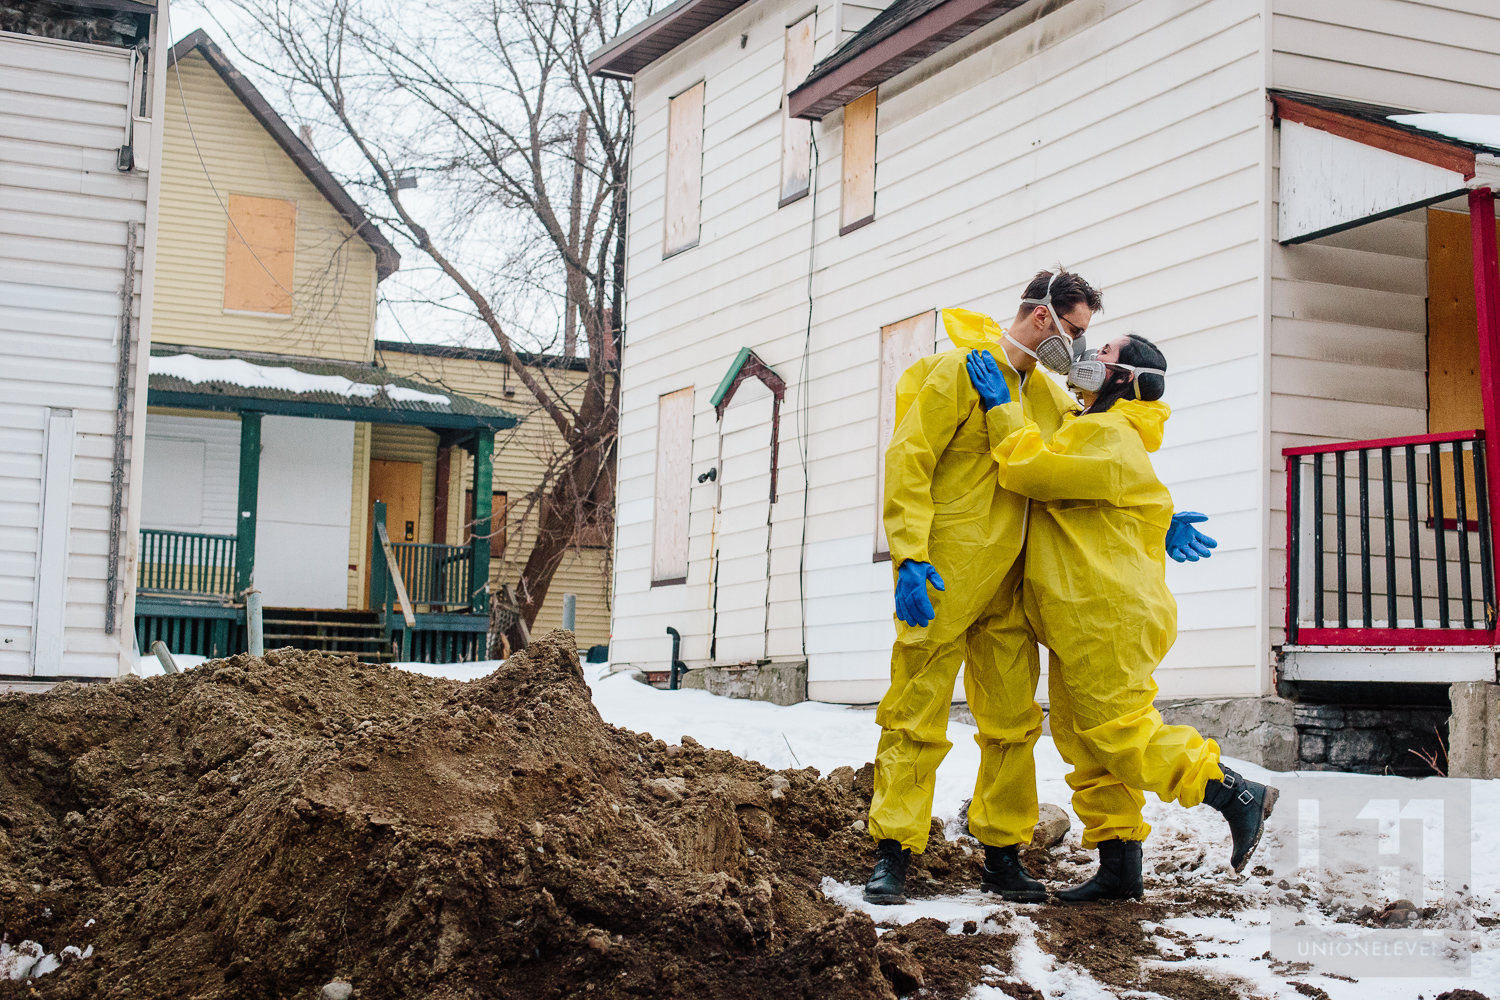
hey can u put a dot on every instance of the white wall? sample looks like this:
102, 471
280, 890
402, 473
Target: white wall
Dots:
1429, 55
192, 474
64, 210
1123, 138
302, 532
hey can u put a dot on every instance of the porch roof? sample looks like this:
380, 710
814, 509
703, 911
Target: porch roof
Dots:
199, 378
1346, 163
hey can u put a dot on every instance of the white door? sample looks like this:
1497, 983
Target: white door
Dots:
742, 568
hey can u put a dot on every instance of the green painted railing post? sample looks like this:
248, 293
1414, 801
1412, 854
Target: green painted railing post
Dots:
244, 556
379, 573
484, 485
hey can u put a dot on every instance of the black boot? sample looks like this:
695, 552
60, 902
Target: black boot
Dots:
887, 885
1004, 873
1246, 805
1118, 877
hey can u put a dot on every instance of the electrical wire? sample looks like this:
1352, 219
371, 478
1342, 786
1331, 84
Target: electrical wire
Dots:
804, 414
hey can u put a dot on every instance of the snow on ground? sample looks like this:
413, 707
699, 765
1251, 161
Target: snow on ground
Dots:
1335, 851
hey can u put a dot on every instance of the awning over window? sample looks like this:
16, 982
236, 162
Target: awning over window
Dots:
1344, 163
203, 379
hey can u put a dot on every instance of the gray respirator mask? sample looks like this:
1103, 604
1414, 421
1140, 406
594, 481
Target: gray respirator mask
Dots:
1089, 374
1056, 353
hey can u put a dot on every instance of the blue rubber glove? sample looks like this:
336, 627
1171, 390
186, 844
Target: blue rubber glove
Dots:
912, 605
988, 381
1186, 543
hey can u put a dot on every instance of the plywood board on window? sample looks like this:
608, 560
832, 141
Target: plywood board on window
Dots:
857, 206
796, 133
901, 345
259, 254
674, 466
684, 200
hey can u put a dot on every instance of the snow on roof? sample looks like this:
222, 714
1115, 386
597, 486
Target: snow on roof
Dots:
1482, 130
237, 371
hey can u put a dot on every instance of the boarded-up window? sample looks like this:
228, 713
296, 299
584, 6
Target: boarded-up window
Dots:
858, 203
796, 133
258, 255
901, 345
674, 458
684, 170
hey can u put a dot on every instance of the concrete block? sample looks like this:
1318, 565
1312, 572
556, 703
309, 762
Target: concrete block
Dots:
1260, 730
1321, 716
1474, 730
696, 679
1353, 747
778, 683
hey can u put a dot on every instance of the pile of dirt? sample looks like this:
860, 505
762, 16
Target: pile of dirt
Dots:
258, 827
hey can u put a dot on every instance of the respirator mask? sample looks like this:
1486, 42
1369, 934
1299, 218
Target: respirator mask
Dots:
1056, 353
1088, 373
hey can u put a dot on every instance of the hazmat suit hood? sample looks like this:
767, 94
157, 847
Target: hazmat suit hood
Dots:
1148, 417
972, 330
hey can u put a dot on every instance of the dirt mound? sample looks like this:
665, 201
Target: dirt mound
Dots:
260, 826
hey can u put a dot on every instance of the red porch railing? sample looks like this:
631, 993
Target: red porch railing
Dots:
1389, 543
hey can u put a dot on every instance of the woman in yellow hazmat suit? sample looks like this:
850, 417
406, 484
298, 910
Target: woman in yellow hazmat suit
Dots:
1095, 593
946, 516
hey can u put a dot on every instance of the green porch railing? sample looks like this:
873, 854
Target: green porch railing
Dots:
186, 562
436, 575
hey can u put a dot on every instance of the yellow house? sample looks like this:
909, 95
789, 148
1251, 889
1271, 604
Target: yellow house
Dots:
275, 443
522, 457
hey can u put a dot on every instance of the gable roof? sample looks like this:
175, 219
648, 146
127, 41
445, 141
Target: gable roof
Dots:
387, 260
898, 38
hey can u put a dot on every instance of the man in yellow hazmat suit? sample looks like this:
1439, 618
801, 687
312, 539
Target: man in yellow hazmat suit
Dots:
952, 527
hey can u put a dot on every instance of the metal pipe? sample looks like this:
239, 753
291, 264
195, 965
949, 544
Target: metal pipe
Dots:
164, 656
255, 624
570, 611
674, 679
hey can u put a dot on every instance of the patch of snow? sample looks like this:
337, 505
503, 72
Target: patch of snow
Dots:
471, 671
29, 960
237, 371
1481, 129
1194, 842
149, 666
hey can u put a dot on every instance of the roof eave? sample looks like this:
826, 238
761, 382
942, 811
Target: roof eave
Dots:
220, 403
824, 93
642, 44
387, 259
1450, 155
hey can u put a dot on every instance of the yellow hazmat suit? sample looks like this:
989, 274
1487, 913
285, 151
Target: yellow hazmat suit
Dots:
944, 507
1096, 595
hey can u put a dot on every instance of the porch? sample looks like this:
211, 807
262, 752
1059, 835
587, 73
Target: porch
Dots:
303, 506
1390, 558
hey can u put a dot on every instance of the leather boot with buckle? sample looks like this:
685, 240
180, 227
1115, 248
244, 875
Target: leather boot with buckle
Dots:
1118, 877
1246, 805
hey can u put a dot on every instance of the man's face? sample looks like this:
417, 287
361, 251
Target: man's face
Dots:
1038, 325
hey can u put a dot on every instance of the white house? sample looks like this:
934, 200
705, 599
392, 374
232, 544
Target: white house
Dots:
809, 183
81, 96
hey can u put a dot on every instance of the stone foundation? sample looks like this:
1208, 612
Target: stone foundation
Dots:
778, 683
1474, 730
1260, 730
1371, 739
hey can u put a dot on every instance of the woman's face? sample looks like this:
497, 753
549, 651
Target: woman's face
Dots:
1110, 352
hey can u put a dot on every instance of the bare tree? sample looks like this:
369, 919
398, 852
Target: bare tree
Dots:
520, 158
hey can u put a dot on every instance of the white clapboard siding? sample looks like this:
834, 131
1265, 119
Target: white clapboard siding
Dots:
1348, 351
1125, 140
218, 471
64, 209
1429, 55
